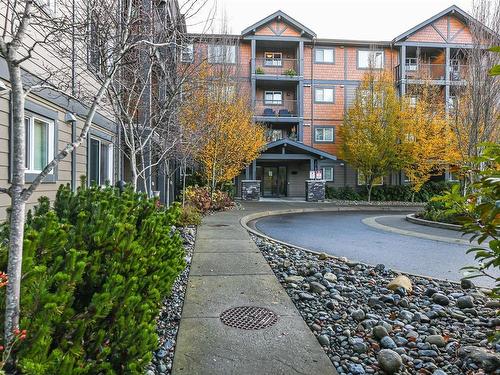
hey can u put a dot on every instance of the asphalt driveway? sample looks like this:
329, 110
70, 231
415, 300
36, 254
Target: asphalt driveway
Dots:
344, 234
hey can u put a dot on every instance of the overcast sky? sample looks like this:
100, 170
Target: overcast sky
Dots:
336, 19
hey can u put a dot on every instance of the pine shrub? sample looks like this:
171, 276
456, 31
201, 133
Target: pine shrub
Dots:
96, 267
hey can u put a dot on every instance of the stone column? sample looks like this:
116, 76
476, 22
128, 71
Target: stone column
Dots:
250, 190
315, 190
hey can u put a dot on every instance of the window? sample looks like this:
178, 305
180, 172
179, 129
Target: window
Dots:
324, 55
187, 53
39, 143
99, 44
412, 101
370, 59
362, 180
52, 6
100, 162
328, 173
273, 97
324, 134
220, 54
273, 59
324, 95
222, 91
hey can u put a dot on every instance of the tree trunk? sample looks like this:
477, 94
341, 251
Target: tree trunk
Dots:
18, 207
370, 187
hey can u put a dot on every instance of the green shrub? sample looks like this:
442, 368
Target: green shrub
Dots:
189, 216
387, 193
342, 193
96, 268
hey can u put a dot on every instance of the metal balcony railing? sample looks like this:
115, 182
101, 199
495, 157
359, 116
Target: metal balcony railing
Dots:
276, 67
275, 108
273, 135
435, 72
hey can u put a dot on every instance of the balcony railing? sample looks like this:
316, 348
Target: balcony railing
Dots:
276, 67
273, 135
435, 72
275, 108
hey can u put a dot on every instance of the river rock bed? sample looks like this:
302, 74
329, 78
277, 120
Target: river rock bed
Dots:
170, 314
370, 321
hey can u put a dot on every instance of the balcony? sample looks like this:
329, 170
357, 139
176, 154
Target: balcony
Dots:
276, 67
276, 110
434, 72
273, 135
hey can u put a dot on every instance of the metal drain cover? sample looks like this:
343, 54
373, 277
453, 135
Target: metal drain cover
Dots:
218, 225
249, 317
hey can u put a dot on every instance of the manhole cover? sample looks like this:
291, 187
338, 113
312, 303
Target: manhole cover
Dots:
249, 317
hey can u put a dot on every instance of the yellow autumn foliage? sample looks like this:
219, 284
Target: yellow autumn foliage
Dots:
429, 144
229, 139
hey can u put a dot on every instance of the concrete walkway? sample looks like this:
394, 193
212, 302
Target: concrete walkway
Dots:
229, 271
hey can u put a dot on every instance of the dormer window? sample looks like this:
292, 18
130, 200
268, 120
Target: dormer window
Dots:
273, 59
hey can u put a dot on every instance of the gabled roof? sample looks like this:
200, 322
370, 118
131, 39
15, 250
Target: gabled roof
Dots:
300, 146
283, 16
456, 11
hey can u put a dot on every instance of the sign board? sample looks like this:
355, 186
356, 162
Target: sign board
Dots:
316, 175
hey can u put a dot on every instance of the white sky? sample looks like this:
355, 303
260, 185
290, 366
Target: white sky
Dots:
335, 19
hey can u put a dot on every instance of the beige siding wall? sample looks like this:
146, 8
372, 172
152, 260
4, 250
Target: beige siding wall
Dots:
63, 135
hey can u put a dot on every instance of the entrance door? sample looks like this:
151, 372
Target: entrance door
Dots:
274, 181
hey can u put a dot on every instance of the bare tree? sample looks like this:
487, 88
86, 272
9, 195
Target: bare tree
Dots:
147, 92
97, 33
475, 113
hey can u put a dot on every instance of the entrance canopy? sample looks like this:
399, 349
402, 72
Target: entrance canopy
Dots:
287, 149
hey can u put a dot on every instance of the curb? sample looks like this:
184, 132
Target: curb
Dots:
372, 222
246, 219
434, 224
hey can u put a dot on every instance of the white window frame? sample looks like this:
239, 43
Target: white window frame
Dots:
322, 90
273, 101
361, 180
322, 60
221, 53
323, 131
110, 160
275, 60
187, 50
332, 174
30, 142
371, 54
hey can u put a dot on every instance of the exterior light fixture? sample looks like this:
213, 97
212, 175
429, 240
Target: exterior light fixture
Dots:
69, 117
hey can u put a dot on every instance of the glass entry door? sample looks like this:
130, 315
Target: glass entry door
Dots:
274, 181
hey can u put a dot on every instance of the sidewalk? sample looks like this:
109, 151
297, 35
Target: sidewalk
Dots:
228, 271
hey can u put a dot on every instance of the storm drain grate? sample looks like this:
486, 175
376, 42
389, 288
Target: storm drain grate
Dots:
249, 317
218, 225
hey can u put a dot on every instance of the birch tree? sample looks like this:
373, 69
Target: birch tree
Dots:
97, 33
475, 113
147, 92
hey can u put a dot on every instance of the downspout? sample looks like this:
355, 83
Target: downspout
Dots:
73, 93
312, 92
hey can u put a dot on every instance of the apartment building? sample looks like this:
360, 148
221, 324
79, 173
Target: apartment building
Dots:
301, 85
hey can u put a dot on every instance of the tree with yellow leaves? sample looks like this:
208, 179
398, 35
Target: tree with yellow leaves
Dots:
371, 130
429, 144
222, 116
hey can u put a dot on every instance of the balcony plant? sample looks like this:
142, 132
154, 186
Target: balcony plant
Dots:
259, 70
290, 72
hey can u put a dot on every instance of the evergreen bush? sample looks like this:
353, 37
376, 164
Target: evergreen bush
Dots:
387, 193
96, 268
